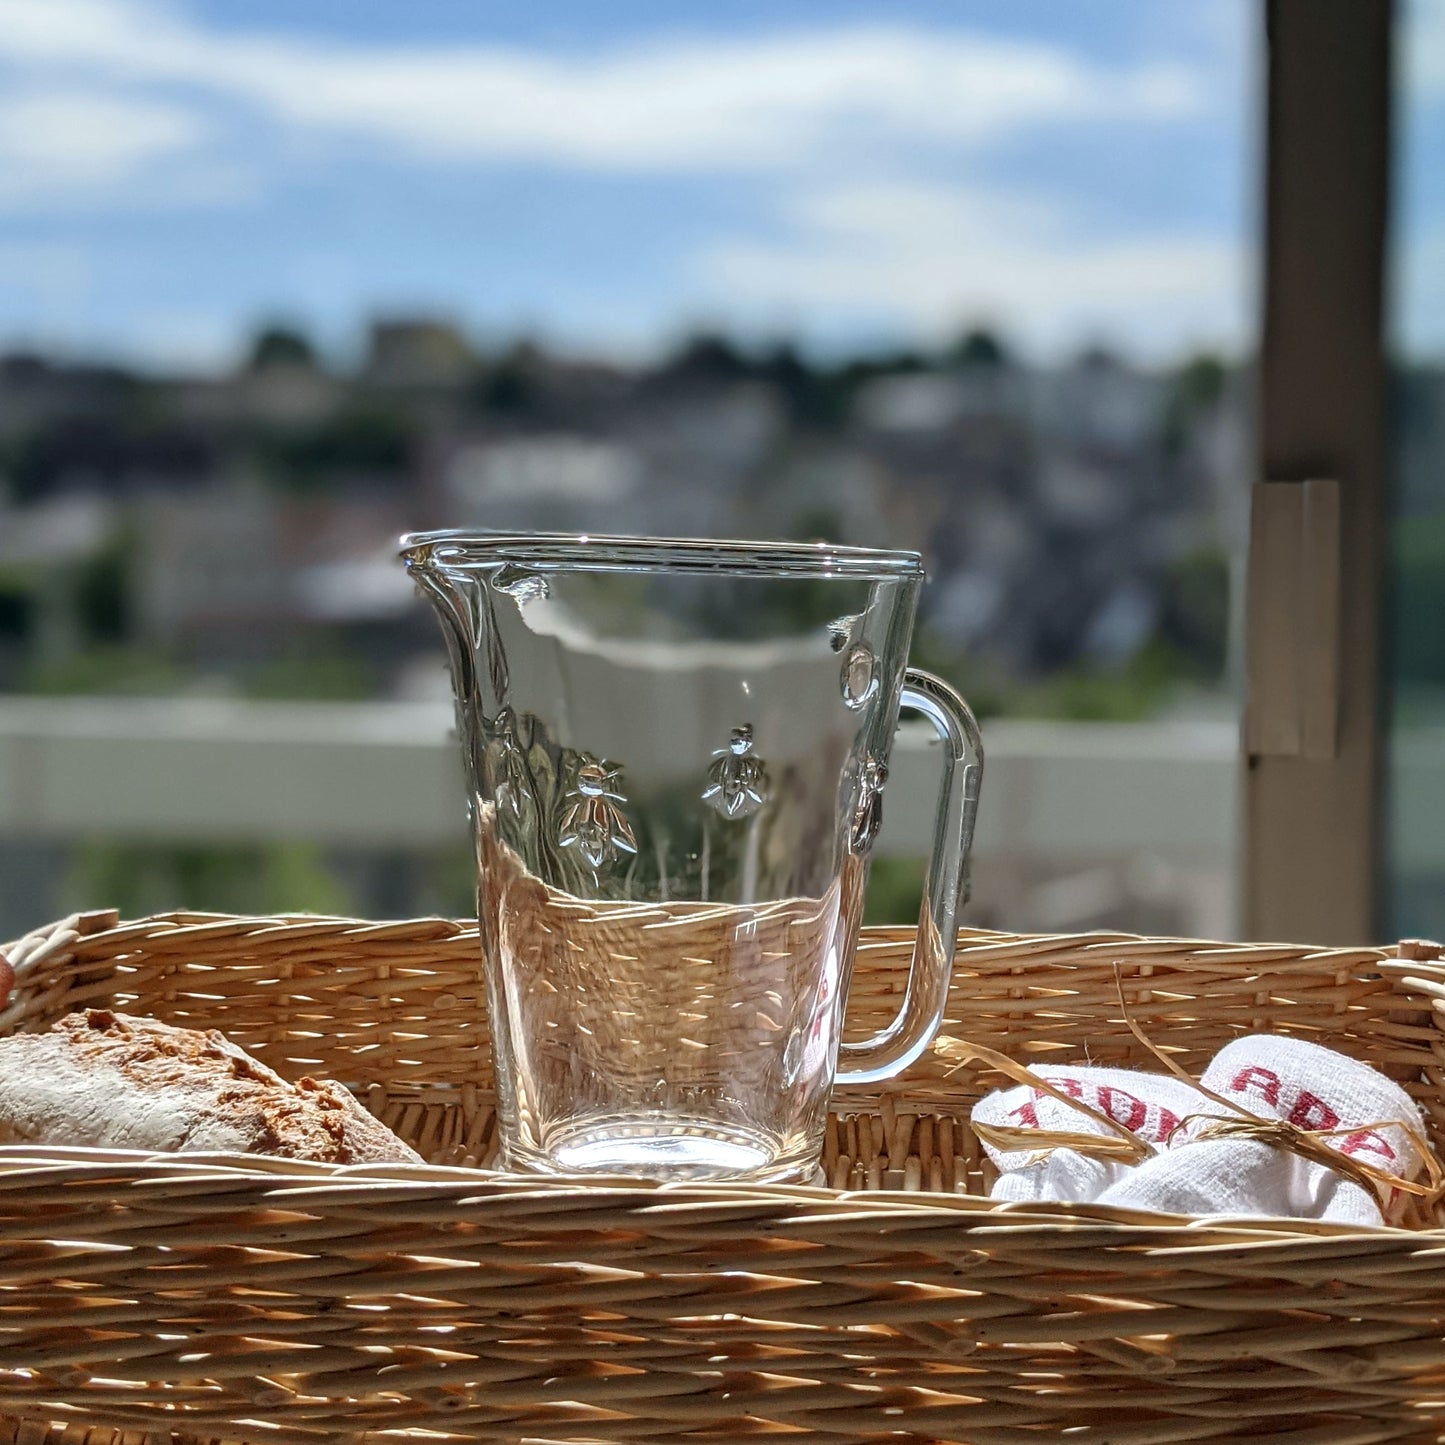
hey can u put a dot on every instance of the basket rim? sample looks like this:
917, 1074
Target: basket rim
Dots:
100, 926
319, 1187
326, 1185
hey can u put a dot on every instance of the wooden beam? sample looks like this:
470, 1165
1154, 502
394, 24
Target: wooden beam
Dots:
1312, 780
1294, 640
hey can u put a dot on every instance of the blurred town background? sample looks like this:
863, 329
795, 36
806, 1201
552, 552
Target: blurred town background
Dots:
280, 281
234, 536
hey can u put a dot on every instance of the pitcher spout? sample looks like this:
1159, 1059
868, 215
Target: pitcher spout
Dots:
456, 586
447, 596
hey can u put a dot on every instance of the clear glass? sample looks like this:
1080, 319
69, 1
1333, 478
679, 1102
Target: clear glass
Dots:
676, 753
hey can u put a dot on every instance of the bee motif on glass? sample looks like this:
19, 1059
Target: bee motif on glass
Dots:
737, 781
593, 826
513, 784
868, 815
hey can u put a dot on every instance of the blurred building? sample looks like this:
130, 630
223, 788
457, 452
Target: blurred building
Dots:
210, 575
1052, 504
417, 353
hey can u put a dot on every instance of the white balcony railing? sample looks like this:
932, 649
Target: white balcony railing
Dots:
386, 774
1060, 800
1068, 808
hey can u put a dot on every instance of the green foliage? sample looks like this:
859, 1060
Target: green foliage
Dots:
1083, 693
446, 883
313, 675
105, 442
368, 440
978, 347
113, 670
1417, 602
895, 891
989, 692
817, 395
1195, 620
508, 389
1133, 693
816, 524
709, 356
320, 674
1200, 381
1187, 651
281, 346
1195, 387
16, 611
142, 878
102, 591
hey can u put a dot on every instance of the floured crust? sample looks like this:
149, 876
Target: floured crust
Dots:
112, 1081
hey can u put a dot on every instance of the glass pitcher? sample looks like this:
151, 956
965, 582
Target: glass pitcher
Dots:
676, 753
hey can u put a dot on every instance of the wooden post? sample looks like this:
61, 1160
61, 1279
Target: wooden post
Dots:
1311, 736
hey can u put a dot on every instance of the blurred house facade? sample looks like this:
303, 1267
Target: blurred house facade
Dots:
235, 535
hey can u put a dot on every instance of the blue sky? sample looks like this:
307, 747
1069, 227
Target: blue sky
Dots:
609, 176
1417, 272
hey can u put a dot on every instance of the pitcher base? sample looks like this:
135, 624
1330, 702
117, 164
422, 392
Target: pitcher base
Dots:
668, 1149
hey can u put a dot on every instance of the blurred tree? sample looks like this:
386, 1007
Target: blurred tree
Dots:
129, 671
16, 608
445, 883
1200, 381
816, 524
816, 397
1417, 602
1194, 619
366, 439
316, 674
895, 890
903, 362
280, 346
787, 370
102, 591
710, 357
109, 450
989, 693
510, 387
1081, 692
1195, 387
977, 347
143, 878
842, 383
1086, 693
1098, 357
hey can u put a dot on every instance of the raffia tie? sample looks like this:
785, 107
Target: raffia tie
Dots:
1123, 1146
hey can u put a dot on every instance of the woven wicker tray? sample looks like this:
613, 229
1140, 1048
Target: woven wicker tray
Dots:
177, 1298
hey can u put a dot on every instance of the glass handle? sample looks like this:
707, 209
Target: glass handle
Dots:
945, 887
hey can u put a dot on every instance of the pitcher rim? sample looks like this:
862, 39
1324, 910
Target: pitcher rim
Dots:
620, 553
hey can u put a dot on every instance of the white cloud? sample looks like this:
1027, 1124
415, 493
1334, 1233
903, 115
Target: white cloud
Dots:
753, 102
54, 140
144, 104
932, 257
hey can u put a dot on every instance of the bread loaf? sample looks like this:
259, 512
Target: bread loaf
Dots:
110, 1081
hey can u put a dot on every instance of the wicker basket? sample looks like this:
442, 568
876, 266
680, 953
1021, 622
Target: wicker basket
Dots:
181, 1298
